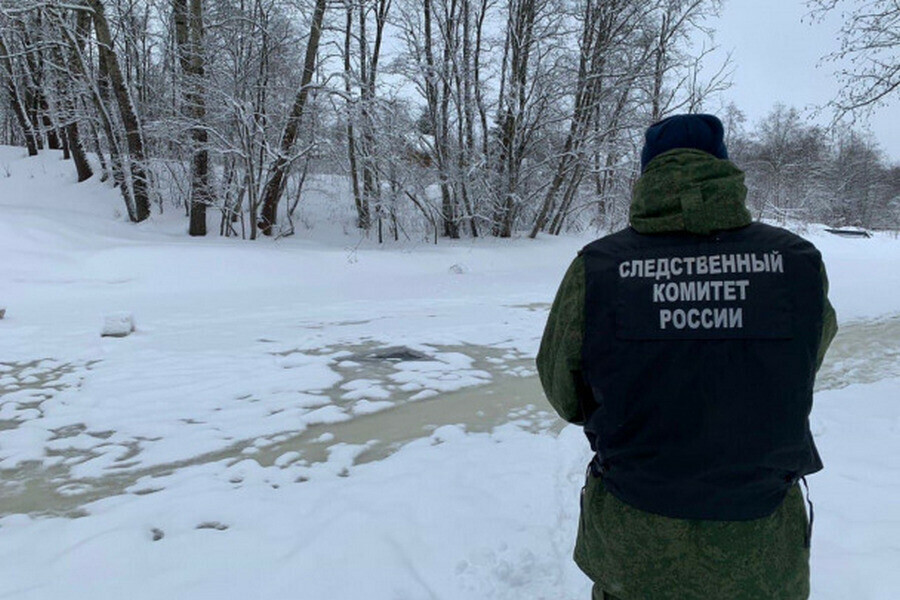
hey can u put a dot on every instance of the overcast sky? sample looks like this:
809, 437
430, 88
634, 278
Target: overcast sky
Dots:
776, 51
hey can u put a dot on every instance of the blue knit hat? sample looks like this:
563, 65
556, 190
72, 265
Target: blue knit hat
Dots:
698, 132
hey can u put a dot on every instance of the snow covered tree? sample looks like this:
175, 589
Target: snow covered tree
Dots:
276, 177
188, 22
868, 61
525, 112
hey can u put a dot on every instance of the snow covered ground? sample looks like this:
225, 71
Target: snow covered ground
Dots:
320, 418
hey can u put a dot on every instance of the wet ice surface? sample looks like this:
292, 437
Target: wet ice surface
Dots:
378, 397
862, 352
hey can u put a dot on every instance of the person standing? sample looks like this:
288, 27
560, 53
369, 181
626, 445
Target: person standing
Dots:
687, 345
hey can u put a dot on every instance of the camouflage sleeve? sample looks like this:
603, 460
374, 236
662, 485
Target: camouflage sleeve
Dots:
559, 358
829, 321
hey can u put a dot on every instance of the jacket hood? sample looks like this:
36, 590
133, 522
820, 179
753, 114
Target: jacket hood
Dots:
690, 191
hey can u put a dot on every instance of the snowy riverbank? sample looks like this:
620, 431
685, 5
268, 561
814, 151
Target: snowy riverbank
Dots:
229, 448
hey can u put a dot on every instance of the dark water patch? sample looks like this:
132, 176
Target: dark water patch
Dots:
862, 352
391, 354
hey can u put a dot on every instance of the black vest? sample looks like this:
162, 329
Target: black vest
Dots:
700, 352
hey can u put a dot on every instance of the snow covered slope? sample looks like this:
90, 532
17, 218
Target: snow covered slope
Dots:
252, 438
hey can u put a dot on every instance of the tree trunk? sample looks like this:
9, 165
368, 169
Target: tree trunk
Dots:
78, 69
659, 69
604, 24
31, 142
519, 45
72, 144
363, 218
370, 188
16, 101
277, 175
189, 37
54, 139
34, 66
467, 131
438, 105
133, 138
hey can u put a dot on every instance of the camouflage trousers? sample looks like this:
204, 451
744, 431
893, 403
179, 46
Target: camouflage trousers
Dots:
599, 594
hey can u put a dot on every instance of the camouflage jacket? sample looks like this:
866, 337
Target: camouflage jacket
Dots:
636, 555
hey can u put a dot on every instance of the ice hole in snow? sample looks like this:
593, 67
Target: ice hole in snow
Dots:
391, 354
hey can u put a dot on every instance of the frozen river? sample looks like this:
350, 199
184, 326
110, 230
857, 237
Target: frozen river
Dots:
504, 389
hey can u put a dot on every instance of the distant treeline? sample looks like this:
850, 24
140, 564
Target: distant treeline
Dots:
445, 117
800, 171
